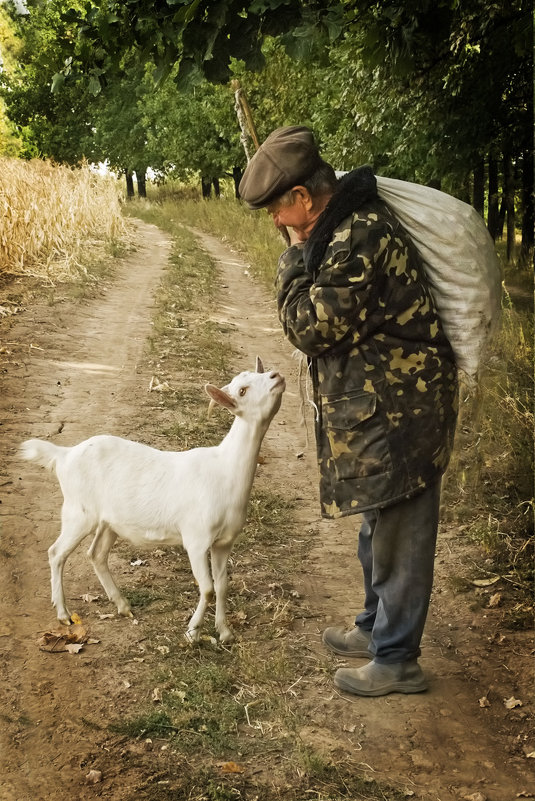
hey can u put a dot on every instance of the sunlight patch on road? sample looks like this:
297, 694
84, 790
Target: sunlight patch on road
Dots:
89, 367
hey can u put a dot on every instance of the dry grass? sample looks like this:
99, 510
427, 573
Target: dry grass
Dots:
54, 219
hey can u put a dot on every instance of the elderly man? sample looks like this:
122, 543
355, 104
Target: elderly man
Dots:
352, 296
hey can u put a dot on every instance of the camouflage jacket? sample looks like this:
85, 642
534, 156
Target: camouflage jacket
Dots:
354, 299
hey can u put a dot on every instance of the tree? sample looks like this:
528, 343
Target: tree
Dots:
10, 141
49, 124
193, 131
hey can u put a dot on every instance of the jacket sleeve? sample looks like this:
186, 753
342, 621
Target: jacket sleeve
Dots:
332, 309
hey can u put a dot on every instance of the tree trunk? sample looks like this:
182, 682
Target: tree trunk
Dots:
129, 175
479, 188
217, 188
464, 189
528, 220
492, 222
509, 199
141, 176
206, 184
237, 174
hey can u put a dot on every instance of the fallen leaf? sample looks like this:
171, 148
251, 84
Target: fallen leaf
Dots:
158, 386
94, 776
488, 582
495, 600
231, 767
483, 702
57, 641
475, 797
512, 702
163, 649
138, 562
106, 617
76, 619
524, 794
74, 647
156, 695
89, 598
531, 755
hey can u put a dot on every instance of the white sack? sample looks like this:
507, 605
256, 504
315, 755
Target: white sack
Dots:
460, 262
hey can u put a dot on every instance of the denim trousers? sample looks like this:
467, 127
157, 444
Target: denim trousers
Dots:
397, 551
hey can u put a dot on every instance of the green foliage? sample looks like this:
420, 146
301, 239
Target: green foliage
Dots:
422, 91
192, 131
59, 124
10, 141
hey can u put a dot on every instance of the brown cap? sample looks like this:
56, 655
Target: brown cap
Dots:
288, 157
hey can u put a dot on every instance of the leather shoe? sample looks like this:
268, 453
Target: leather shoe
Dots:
376, 678
351, 643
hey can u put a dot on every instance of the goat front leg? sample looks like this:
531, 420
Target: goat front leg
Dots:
219, 558
201, 571
99, 551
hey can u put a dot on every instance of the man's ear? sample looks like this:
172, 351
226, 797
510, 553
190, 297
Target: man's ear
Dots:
303, 196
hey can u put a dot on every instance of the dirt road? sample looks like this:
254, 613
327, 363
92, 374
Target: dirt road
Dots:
74, 370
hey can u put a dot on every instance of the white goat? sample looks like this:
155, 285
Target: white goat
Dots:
114, 487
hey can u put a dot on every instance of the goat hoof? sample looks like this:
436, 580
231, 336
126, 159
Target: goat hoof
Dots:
192, 635
226, 637
65, 621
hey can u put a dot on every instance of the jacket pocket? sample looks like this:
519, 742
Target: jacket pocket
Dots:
356, 435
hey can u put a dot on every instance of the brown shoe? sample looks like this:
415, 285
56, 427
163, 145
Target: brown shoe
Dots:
378, 679
347, 643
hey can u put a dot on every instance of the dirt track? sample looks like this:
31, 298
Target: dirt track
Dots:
72, 370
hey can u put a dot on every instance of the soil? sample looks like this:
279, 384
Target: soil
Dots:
75, 369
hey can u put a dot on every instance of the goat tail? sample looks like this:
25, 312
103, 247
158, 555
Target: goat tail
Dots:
44, 453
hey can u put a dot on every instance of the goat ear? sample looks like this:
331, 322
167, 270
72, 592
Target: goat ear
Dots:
259, 365
220, 396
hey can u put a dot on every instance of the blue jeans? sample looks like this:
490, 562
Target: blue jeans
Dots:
397, 552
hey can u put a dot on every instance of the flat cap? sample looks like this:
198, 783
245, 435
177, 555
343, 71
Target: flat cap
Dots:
287, 158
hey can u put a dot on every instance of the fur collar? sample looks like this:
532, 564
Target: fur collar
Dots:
353, 190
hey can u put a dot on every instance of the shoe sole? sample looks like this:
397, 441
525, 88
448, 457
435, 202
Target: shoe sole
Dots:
397, 687
355, 654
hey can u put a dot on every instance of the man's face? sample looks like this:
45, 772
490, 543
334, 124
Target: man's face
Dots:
296, 215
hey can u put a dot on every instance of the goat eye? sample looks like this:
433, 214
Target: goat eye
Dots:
243, 390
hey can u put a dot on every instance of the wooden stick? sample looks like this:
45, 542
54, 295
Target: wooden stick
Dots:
245, 118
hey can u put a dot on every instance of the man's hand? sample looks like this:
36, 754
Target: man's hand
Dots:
290, 236
284, 233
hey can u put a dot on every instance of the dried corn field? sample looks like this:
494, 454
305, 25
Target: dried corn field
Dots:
54, 218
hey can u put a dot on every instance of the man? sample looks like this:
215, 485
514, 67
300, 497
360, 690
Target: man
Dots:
352, 296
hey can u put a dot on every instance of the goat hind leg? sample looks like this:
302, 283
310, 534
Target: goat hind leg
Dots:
201, 571
75, 526
98, 552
